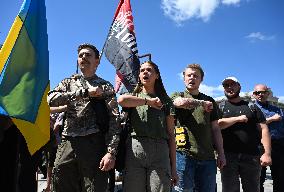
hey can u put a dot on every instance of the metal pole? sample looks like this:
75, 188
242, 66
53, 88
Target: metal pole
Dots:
146, 55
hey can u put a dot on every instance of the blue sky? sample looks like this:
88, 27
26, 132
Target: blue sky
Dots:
242, 38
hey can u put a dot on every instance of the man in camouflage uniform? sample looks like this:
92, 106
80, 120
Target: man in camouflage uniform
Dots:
87, 151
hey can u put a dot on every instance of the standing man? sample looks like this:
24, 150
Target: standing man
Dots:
91, 134
18, 170
197, 133
242, 126
274, 119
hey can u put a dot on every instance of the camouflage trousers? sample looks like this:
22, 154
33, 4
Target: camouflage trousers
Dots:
76, 167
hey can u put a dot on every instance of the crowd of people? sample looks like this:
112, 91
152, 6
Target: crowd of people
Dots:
175, 143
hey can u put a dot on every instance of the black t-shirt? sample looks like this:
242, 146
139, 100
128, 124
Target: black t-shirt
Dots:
242, 137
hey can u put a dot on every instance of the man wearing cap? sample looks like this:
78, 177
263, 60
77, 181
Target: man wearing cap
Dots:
90, 137
275, 121
197, 133
243, 127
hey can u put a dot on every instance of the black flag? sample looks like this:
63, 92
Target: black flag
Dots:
121, 48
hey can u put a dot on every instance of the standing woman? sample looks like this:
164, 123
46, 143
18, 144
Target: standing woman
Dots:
151, 152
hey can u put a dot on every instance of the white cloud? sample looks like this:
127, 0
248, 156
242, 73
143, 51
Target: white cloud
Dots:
243, 94
182, 10
229, 2
180, 75
254, 36
281, 99
210, 90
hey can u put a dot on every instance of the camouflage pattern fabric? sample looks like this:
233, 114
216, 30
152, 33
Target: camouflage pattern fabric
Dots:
80, 116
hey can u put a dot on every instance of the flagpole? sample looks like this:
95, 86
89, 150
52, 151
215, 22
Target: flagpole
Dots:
146, 55
102, 51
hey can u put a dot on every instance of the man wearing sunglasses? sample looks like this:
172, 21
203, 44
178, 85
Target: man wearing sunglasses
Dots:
242, 125
275, 121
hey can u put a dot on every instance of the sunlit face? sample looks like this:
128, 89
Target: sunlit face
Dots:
231, 89
192, 79
261, 93
87, 61
147, 75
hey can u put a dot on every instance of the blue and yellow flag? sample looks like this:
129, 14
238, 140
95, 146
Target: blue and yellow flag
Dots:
24, 74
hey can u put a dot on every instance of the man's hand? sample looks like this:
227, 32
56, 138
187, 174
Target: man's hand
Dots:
276, 117
207, 105
221, 161
242, 119
155, 103
107, 162
179, 101
94, 91
265, 160
174, 178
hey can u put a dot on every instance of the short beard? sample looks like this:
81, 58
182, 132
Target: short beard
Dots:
236, 95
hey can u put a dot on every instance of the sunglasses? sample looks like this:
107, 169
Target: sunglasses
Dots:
227, 85
260, 92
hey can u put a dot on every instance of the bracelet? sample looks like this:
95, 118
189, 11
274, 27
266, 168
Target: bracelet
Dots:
146, 101
111, 151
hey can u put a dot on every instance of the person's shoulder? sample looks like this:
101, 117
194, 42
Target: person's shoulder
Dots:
240, 102
274, 108
206, 97
103, 81
176, 94
167, 99
67, 80
248, 103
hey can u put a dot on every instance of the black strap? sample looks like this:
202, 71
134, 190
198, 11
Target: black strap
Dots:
101, 110
126, 129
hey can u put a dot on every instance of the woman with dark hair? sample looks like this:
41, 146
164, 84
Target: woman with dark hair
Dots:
151, 152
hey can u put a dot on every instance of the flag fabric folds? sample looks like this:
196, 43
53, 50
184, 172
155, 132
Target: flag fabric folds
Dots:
121, 48
24, 74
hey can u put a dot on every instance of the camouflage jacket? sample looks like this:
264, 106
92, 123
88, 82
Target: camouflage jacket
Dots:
80, 116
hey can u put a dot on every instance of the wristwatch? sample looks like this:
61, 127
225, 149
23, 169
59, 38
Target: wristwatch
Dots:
111, 151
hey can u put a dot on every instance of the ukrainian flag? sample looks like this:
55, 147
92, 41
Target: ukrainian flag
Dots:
24, 74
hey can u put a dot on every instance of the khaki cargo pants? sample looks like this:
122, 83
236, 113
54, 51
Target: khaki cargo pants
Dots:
76, 167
